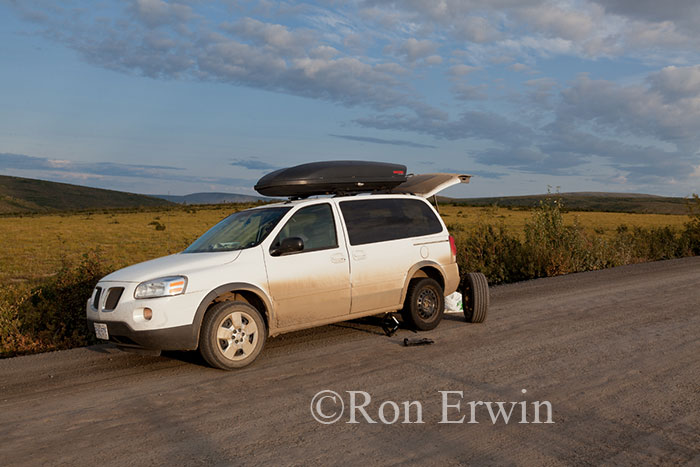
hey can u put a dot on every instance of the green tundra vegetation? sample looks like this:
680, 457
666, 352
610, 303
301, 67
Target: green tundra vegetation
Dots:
27, 195
599, 202
50, 263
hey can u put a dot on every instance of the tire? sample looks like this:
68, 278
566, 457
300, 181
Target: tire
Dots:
228, 346
475, 297
424, 305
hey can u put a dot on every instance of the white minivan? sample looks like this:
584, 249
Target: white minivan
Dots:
287, 266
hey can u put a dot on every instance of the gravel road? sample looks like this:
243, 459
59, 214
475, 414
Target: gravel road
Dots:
615, 352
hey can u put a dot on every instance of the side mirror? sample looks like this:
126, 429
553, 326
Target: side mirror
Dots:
288, 245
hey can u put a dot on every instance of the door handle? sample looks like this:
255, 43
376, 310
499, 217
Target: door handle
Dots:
337, 258
359, 254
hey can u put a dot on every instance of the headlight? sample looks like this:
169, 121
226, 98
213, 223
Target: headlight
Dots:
161, 287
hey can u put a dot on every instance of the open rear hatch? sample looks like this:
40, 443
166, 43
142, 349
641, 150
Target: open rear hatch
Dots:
427, 185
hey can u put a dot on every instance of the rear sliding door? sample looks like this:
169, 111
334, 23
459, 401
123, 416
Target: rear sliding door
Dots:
382, 235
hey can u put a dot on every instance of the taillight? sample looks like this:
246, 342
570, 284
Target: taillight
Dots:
453, 247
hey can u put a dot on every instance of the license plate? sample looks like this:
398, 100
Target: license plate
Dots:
101, 331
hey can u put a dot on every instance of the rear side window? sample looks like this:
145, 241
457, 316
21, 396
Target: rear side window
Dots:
380, 220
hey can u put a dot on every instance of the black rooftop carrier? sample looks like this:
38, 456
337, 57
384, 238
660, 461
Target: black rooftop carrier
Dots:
321, 178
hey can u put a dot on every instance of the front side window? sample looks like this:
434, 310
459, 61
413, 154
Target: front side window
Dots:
314, 225
241, 230
381, 220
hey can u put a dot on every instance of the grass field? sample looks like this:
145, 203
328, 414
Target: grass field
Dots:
605, 223
590, 201
42, 302
34, 247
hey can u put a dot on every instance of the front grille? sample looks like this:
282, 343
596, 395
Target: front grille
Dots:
113, 296
96, 301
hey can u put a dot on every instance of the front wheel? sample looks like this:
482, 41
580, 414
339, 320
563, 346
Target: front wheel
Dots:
233, 335
424, 305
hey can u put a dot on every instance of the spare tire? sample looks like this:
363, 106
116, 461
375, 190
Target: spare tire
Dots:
475, 297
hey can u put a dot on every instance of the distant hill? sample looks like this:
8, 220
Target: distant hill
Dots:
211, 198
589, 201
26, 195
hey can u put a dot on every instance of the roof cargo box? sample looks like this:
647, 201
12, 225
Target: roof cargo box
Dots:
320, 178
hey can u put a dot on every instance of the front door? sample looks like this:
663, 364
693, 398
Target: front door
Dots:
312, 284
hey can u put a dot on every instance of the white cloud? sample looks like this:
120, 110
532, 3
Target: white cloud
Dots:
462, 70
413, 49
637, 109
155, 13
585, 28
683, 12
324, 52
559, 22
541, 92
467, 92
391, 68
112, 170
433, 60
274, 36
461, 89
476, 29
678, 82
620, 180
541, 83
663, 34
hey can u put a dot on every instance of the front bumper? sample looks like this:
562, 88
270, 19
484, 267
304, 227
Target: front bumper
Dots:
172, 326
177, 338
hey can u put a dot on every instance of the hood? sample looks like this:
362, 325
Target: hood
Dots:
180, 264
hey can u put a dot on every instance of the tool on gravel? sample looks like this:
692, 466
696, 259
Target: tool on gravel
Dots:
390, 324
424, 341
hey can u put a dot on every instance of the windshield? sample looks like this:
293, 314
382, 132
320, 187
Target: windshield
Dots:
241, 230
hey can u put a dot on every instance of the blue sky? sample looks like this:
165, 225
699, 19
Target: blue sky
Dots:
155, 96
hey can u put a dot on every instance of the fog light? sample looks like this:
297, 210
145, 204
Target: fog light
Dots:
147, 313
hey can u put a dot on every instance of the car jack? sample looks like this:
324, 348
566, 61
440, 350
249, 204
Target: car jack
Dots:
390, 324
424, 341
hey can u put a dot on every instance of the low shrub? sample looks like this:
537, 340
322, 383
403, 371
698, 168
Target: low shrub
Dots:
551, 248
691, 234
493, 251
13, 341
50, 316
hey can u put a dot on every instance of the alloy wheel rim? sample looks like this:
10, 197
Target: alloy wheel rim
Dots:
237, 335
